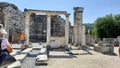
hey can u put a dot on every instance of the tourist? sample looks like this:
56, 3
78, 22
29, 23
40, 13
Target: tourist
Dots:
118, 38
22, 40
119, 50
5, 48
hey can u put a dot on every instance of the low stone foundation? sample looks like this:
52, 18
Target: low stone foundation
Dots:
106, 48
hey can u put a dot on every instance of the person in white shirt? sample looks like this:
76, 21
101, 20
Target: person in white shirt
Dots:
5, 47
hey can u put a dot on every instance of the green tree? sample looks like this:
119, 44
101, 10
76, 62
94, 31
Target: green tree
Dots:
108, 26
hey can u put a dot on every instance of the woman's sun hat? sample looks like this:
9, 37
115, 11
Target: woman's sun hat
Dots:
2, 30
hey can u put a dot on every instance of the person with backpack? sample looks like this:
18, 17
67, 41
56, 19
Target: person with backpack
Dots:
5, 48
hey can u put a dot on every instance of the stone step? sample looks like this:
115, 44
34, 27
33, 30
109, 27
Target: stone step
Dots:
74, 47
44, 45
14, 52
43, 51
78, 52
42, 59
16, 64
16, 46
36, 46
26, 51
20, 57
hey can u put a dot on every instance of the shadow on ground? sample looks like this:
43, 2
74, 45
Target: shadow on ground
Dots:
110, 54
63, 56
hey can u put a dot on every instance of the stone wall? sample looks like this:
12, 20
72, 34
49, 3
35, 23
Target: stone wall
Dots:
38, 27
56, 42
57, 26
90, 40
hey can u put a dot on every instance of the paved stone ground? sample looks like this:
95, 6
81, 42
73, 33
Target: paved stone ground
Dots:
97, 60
59, 59
29, 61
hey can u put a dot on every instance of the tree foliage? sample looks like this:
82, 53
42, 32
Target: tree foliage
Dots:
107, 27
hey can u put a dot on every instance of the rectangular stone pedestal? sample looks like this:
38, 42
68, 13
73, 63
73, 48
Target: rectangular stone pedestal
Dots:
41, 59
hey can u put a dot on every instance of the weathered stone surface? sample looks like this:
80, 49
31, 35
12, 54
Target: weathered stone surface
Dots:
14, 52
105, 48
26, 51
56, 42
83, 40
38, 27
20, 57
15, 37
16, 46
36, 46
78, 33
41, 59
78, 52
16, 64
43, 51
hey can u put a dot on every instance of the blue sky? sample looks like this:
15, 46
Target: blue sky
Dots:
92, 8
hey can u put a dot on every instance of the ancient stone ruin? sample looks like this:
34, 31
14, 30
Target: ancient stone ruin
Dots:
45, 27
38, 27
13, 20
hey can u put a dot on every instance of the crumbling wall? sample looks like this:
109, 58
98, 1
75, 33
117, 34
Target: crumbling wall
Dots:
38, 27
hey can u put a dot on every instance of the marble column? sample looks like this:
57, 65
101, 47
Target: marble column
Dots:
27, 27
67, 30
48, 28
83, 36
78, 25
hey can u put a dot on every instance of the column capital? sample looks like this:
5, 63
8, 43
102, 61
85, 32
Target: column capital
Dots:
28, 13
67, 15
78, 9
49, 14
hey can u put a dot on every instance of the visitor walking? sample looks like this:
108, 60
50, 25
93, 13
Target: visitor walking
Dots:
22, 40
